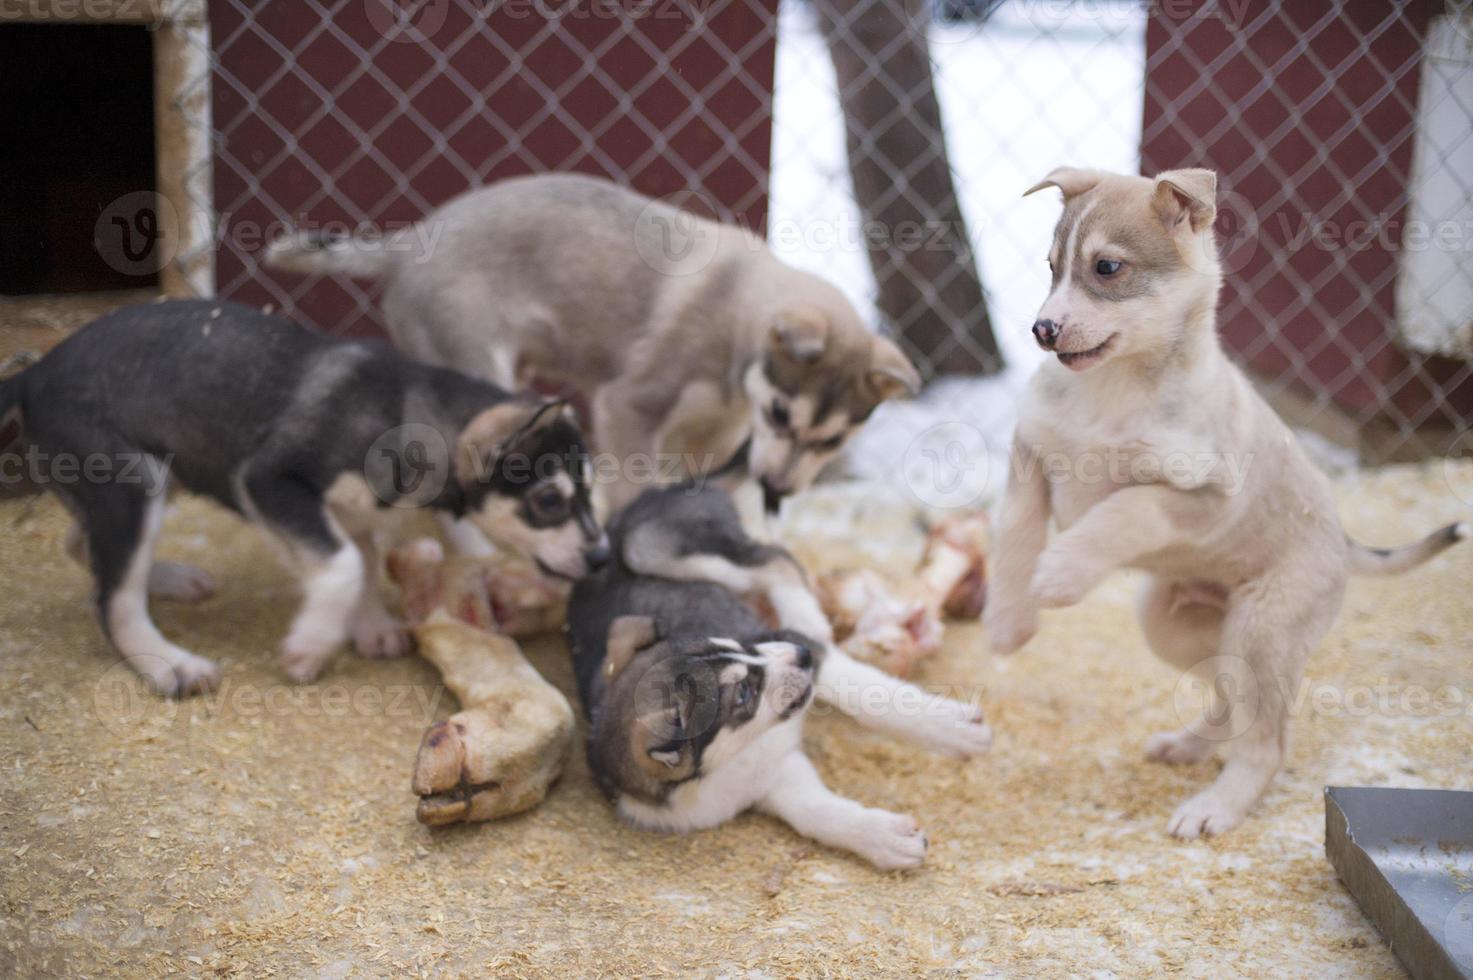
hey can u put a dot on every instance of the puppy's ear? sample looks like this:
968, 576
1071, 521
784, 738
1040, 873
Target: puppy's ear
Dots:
1189, 195
492, 432
1071, 180
627, 636
800, 334
890, 372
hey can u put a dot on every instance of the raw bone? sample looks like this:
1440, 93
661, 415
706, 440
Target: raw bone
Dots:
896, 627
503, 750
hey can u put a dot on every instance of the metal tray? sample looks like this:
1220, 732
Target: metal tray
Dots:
1407, 857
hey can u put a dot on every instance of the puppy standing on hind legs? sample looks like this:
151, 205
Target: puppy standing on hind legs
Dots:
1180, 470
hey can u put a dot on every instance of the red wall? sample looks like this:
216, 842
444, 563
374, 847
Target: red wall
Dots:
312, 123
1307, 112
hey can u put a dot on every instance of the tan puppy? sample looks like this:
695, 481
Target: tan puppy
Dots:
690, 337
1150, 450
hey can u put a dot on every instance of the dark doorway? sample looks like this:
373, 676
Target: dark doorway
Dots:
76, 134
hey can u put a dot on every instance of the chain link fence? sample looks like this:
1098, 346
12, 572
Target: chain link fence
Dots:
885, 144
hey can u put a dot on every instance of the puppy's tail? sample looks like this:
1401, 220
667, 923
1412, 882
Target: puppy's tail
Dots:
315, 253
1389, 561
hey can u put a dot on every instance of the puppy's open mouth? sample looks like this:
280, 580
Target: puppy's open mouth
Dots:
799, 702
1079, 360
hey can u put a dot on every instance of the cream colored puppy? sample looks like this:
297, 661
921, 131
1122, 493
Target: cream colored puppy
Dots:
1149, 449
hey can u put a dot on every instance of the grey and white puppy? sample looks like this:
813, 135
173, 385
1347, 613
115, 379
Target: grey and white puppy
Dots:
696, 704
691, 339
312, 437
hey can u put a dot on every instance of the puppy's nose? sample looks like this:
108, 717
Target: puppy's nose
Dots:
1046, 332
772, 496
597, 555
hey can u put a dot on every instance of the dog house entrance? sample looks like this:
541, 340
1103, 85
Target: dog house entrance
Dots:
79, 135
106, 159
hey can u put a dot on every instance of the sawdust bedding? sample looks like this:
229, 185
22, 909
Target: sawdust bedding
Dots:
268, 829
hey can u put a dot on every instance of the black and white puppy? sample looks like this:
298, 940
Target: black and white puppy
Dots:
314, 438
696, 705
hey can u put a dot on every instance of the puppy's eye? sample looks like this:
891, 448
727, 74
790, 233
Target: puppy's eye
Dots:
779, 415
746, 694
1107, 267
829, 445
547, 502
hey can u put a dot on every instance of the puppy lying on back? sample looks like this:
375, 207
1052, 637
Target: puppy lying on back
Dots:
1178, 468
311, 437
696, 705
688, 336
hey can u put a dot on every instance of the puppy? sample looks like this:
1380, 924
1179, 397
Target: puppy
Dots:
692, 340
1149, 449
696, 705
309, 436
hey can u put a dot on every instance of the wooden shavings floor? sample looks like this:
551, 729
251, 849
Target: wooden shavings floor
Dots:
269, 828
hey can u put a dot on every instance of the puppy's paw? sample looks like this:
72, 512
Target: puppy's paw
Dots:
175, 580
954, 728
303, 664
1179, 747
1204, 815
1061, 579
197, 676
1009, 627
378, 635
889, 841
178, 677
